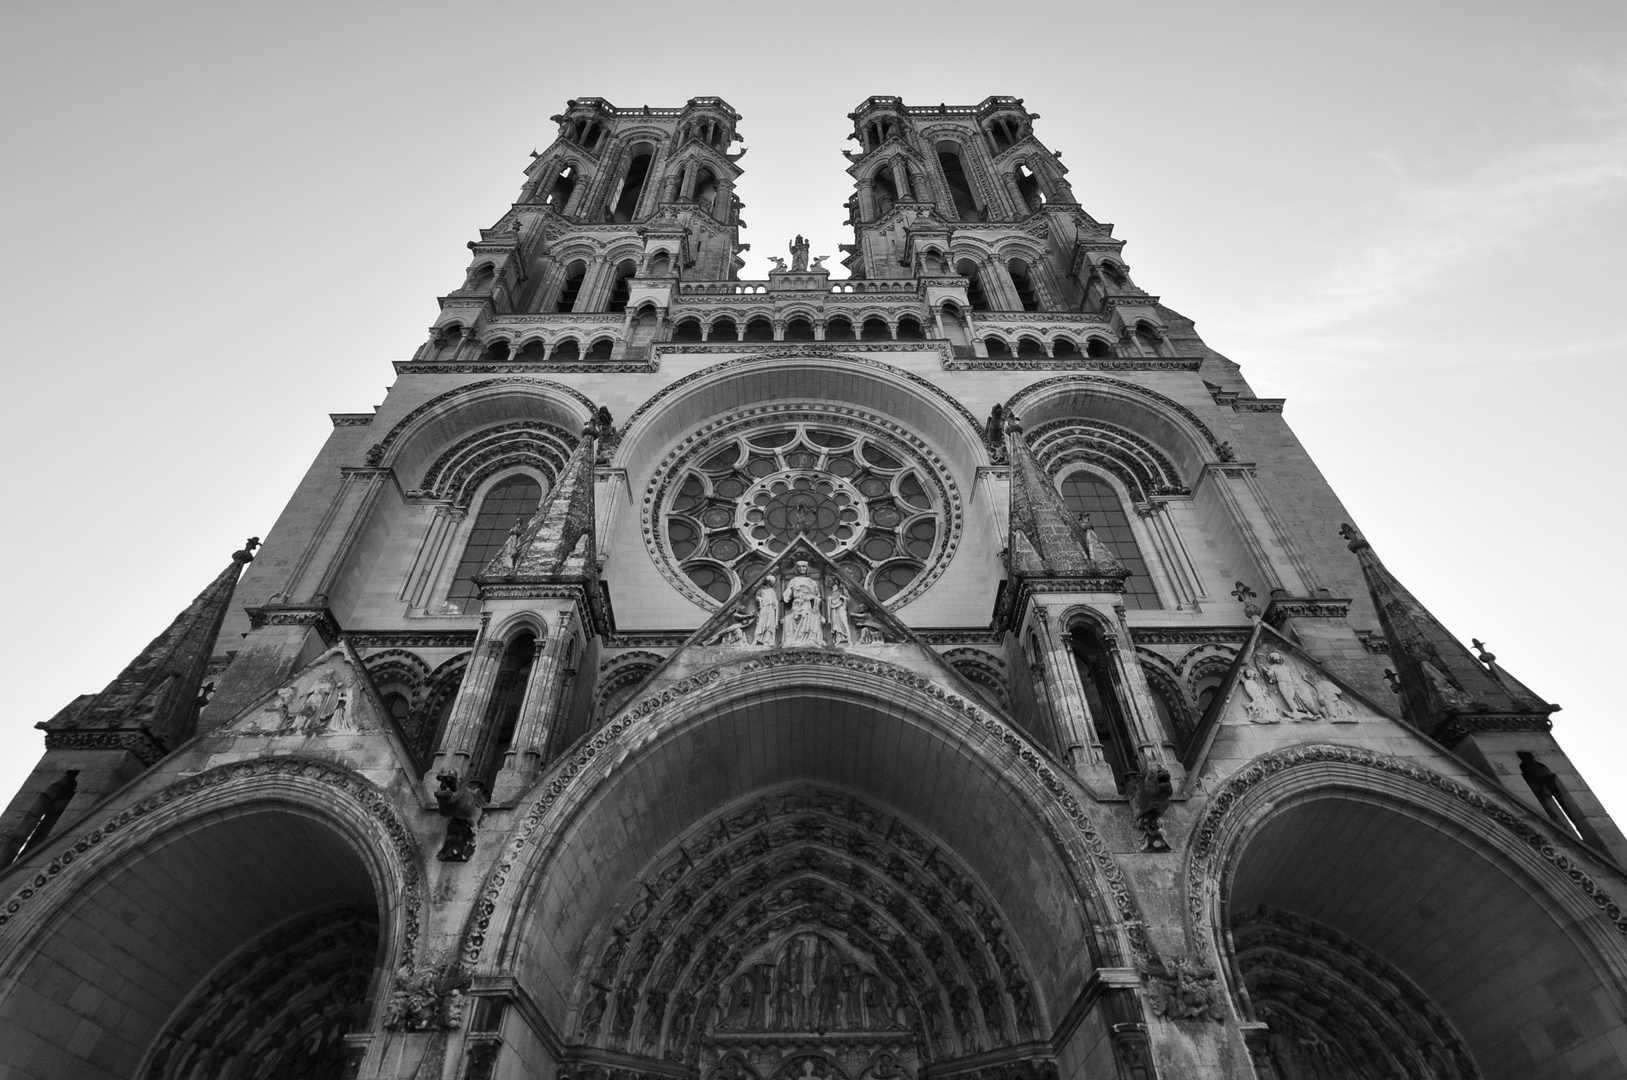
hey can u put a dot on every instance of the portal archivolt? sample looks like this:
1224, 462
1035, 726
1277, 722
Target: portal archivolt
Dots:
807, 918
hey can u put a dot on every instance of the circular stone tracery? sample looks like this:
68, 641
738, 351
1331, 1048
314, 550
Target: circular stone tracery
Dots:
729, 505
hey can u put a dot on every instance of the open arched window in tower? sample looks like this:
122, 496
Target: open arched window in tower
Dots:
724, 330
839, 328
558, 194
706, 189
514, 498
799, 329
1086, 493
621, 290
632, 184
503, 709
1101, 687
1023, 282
572, 286
687, 330
975, 296
1029, 188
886, 191
960, 188
758, 329
865, 501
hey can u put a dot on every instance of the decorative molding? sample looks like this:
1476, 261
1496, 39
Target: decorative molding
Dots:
1460, 727
970, 635
647, 639
143, 744
611, 367
351, 419
1194, 635
364, 793
317, 617
411, 639
758, 350
1202, 872
1283, 608
1087, 363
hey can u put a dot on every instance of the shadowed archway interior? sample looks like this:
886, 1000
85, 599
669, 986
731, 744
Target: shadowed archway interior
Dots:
239, 946
1379, 943
807, 916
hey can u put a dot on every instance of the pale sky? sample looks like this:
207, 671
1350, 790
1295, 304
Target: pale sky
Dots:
221, 222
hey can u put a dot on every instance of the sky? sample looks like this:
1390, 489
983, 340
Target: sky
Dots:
220, 222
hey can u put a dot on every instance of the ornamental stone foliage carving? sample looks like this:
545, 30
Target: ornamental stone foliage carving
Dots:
426, 999
806, 916
1184, 988
868, 495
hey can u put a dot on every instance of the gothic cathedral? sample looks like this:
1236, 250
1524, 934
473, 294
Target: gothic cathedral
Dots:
946, 671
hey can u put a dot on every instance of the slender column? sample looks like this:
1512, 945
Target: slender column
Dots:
345, 519
430, 554
1151, 740
1067, 696
463, 728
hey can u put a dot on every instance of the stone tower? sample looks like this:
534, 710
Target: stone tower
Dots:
950, 671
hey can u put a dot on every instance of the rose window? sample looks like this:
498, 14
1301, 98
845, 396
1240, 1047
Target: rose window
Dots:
861, 499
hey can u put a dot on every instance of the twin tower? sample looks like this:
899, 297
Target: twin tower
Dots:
952, 670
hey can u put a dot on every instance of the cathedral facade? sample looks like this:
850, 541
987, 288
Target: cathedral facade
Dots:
947, 671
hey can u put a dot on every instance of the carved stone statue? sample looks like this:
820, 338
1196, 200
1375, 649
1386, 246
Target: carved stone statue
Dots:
739, 629
1296, 691
841, 632
779, 264
1150, 793
819, 262
802, 626
768, 611
1256, 697
1333, 703
870, 630
799, 254
462, 804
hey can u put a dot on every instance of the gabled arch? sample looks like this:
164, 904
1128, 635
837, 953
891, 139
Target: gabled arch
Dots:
462, 468
832, 719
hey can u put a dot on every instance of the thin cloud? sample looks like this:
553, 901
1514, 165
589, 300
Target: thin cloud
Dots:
1440, 231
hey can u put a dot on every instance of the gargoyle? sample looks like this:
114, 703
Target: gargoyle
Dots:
461, 803
1150, 792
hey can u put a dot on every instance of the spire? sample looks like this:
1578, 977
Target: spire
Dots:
1445, 688
557, 545
1048, 539
157, 693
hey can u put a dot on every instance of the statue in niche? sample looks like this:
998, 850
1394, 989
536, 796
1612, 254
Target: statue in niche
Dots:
802, 624
768, 610
341, 718
841, 631
1296, 692
799, 254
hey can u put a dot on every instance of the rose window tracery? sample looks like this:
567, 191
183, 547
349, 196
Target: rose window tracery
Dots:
864, 499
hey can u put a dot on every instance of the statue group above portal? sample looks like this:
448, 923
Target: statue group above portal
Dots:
809, 611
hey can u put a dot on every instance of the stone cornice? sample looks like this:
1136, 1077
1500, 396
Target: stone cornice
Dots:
411, 639
1283, 608
351, 419
1044, 363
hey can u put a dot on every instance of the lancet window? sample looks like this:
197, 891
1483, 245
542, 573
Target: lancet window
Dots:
503, 710
960, 187
1086, 493
512, 499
